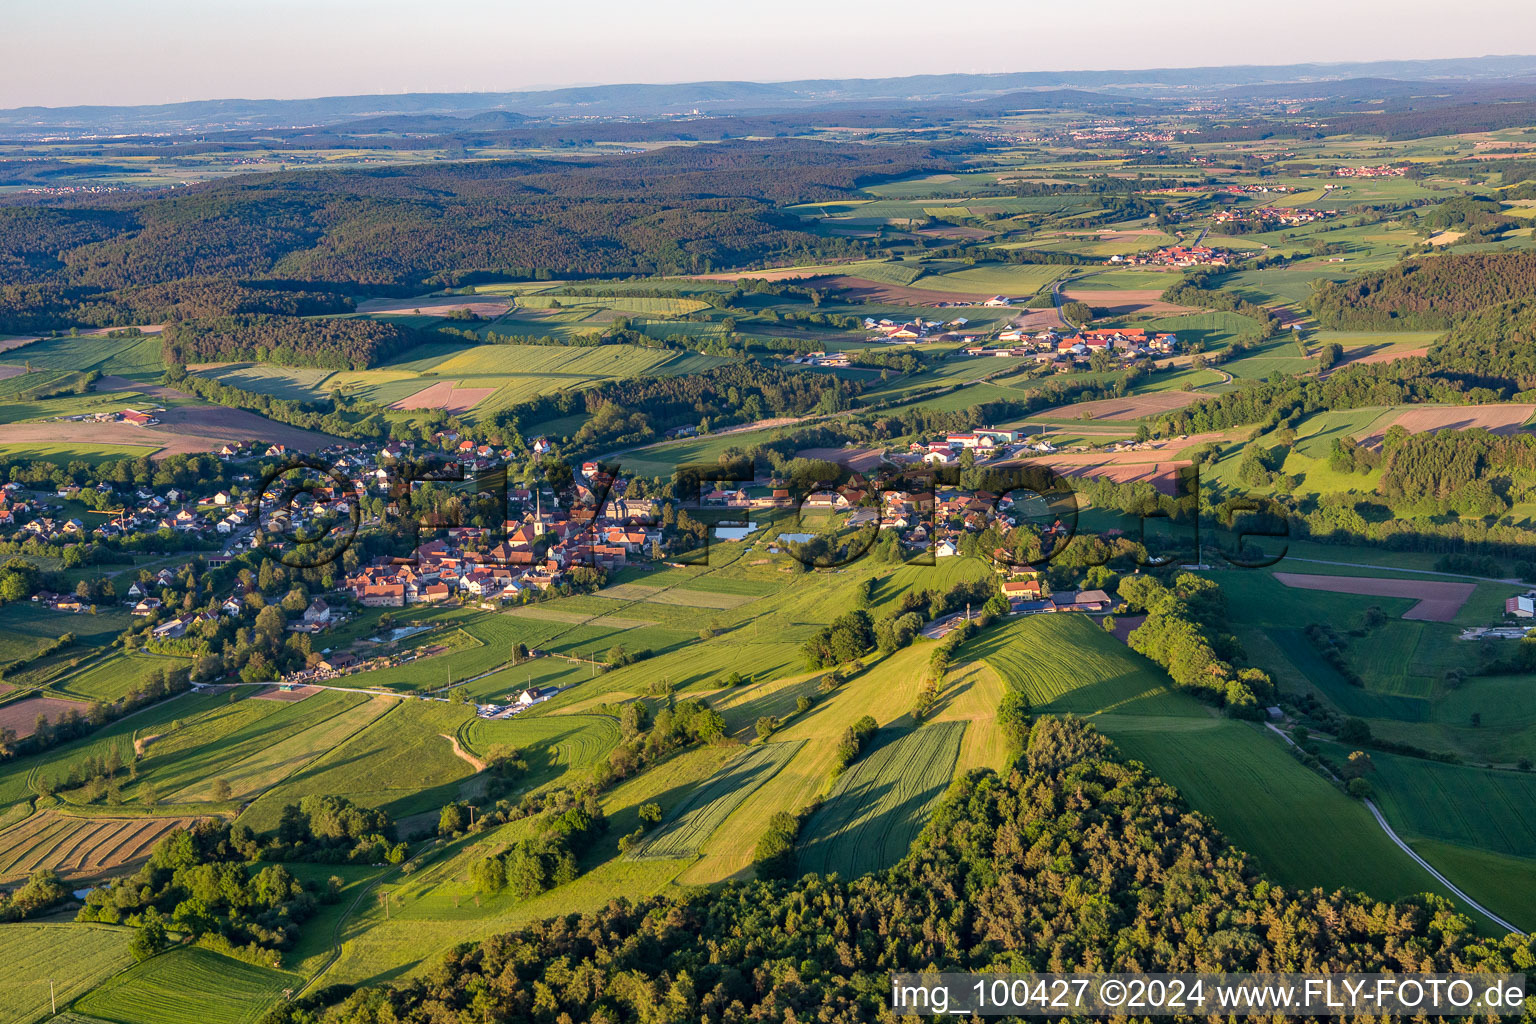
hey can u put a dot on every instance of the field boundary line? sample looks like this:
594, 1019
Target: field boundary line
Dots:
1419, 572
1381, 820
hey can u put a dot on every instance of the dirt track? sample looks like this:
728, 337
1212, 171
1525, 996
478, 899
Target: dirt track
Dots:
1439, 601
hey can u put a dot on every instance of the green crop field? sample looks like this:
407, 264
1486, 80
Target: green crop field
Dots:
513, 373
135, 358
111, 678
252, 744
188, 986
1507, 885
551, 745
881, 802
1066, 664
401, 762
74, 957
693, 821
1011, 279
1475, 807
1302, 830
1125, 280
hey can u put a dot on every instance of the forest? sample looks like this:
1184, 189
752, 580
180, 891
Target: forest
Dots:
328, 342
237, 246
1425, 293
1074, 860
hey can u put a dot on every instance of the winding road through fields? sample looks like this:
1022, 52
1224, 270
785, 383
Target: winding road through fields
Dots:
1420, 861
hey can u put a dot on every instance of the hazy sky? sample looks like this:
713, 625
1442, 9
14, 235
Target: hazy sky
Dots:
63, 52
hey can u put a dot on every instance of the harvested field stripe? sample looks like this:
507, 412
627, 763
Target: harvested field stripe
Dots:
879, 806
692, 822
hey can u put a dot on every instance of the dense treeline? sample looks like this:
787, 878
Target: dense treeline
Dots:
1071, 861
1186, 633
641, 409
234, 247
206, 880
328, 342
1286, 401
1496, 344
1425, 293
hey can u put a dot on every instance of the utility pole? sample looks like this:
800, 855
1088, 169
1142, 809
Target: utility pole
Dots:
51, 999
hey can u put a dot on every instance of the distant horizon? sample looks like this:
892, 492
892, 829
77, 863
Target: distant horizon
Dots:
156, 52
559, 87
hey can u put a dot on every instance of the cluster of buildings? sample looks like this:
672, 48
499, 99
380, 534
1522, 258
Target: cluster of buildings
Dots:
1287, 215
1174, 256
1129, 343
134, 417
919, 329
531, 554
1380, 171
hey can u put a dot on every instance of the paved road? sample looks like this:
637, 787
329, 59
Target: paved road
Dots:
1426, 865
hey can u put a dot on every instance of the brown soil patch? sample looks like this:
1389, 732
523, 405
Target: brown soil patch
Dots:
1381, 354
1036, 320
80, 846
1504, 418
1121, 303
1129, 408
22, 715
858, 459
7, 372
112, 382
188, 430
955, 231
857, 289
1439, 600
437, 305
1124, 625
444, 395
292, 696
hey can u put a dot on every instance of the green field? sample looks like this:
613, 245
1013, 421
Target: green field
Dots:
1302, 830
1505, 884
1473, 807
1066, 664
512, 373
552, 745
1010, 279
134, 358
881, 802
74, 957
188, 986
692, 822
111, 678
253, 744
401, 763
